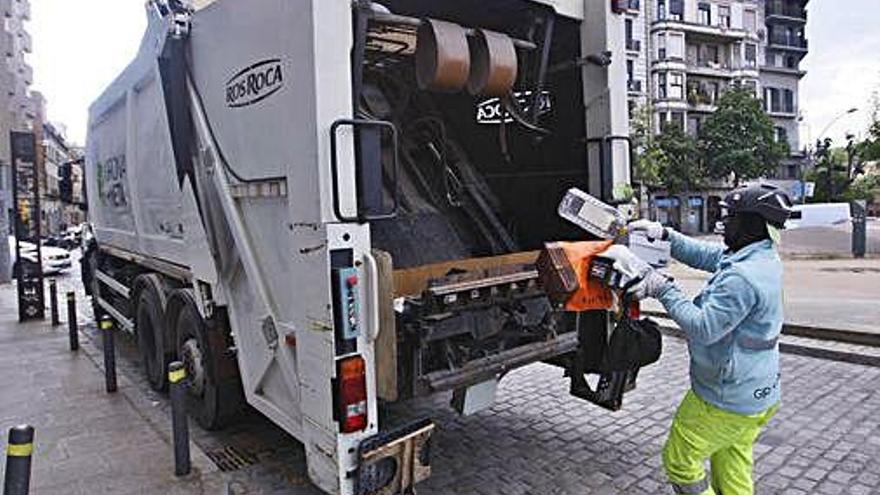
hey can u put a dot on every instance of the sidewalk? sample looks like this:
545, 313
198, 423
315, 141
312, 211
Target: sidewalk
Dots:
87, 441
836, 293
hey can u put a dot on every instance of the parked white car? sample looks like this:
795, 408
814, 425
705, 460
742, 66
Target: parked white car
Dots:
55, 260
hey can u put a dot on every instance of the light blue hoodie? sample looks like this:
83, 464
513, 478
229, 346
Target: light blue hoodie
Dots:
733, 325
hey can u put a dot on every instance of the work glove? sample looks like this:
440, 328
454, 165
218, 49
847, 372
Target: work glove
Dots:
650, 282
652, 230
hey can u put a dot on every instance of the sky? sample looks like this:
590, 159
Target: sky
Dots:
81, 45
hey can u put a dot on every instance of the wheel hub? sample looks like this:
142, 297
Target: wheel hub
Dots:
194, 364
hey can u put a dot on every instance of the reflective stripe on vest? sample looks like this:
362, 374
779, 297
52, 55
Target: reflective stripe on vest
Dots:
757, 344
695, 488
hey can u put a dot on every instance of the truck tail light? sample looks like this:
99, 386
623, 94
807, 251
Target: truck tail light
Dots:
352, 392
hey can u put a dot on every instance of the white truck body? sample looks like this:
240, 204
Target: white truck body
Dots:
255, 226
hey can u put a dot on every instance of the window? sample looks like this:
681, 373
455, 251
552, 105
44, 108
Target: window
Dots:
629, 70
714, 91
694, 124
772, 101
751, 55
788, 101
661, 46
676, 85
678, 119
675, 49
661, 85
712, 54
724, 16
676, 9
661, 9
791, 62
628, 24
781, 135
750, 21
704, 14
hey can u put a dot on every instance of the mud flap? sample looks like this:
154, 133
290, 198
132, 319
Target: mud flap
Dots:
393, 462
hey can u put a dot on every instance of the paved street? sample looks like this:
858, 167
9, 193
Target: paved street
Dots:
828, 293
535, 440
822, 241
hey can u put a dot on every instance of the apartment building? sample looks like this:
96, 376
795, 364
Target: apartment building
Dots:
780, 75
686, 53
17, 105
61, 192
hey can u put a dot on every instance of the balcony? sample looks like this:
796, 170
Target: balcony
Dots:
699, 99
634, 86
791, 71
27, 44
785, 12
8, 42
27, 73
782, 42
633, 45
710, 69
717, 32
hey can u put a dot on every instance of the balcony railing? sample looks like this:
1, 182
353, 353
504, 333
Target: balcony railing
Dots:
788, 41
785, 9
633, 45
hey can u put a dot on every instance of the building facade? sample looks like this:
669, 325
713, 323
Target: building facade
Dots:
18, 106
686, 53
780, 76
61, 190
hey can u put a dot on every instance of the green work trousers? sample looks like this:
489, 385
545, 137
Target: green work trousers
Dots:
702, 431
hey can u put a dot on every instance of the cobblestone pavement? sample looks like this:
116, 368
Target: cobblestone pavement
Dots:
536, 439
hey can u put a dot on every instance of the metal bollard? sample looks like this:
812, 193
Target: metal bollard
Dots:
179, 425
72, 326
53, 302
18, 460
107, 333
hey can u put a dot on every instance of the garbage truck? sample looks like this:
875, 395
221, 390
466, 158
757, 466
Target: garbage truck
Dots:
323, 207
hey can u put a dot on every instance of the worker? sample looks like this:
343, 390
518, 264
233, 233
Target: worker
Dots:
732, 329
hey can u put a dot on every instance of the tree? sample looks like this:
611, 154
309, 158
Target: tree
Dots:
830, 173
678, 160
738, 140
866, 187
647, 166
869, 149
668, 160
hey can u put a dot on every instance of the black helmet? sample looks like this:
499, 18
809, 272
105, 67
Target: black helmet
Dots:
767, 201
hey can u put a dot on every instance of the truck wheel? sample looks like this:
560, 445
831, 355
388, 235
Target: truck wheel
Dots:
209, 401
150, 328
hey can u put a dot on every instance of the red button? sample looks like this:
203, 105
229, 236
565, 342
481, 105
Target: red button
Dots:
352, 280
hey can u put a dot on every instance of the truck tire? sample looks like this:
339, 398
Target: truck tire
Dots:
151, 331
211, 401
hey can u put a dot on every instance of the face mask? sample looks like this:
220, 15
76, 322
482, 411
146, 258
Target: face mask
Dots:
743, 229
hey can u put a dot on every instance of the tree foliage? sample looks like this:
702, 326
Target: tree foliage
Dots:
738, 140
866, 187
647, 166
678, 160
869, 149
